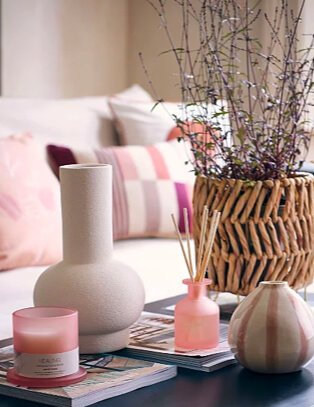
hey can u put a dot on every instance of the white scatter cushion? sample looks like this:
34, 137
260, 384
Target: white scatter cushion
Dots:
145, 123
134, 93
80, 122
140, 124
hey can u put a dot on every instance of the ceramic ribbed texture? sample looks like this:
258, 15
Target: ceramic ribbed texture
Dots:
108, 294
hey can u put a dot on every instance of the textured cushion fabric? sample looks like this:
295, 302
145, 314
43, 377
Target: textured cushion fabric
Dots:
149, 183
144, 123
134, 93
140, 124
188, 128
30, 214
81, 122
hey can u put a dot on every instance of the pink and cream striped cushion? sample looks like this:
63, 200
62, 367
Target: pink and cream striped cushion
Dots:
149, 183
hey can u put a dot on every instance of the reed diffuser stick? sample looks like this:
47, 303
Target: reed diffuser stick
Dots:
187, 235
205, 246
202, 238
209, 246
182, 246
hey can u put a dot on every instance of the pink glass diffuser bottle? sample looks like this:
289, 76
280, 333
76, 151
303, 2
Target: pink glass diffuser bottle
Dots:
45, 341
196, 318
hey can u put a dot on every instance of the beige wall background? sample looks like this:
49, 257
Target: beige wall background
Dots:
72, 48
64, 48
148, 37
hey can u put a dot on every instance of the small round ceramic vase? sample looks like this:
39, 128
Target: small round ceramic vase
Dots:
196, 318
272, 330
108, 294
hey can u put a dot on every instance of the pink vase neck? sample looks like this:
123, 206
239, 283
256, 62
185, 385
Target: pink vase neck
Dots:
196, 289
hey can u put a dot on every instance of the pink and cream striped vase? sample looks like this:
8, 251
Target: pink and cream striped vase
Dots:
272, 330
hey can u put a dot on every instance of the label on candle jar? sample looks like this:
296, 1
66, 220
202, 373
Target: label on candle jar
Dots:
45, 366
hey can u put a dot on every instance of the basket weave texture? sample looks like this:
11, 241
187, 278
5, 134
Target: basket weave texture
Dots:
266, 231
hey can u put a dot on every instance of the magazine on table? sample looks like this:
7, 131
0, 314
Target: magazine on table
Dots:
107, 376
152, 338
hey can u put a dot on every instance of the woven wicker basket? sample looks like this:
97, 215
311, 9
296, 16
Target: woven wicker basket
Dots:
266, 231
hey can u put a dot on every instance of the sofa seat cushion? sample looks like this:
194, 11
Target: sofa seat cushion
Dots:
158, 262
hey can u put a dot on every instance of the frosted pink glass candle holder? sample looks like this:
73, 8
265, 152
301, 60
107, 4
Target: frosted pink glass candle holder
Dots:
196, 318
45, 341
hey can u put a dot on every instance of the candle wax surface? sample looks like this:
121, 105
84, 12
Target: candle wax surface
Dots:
38, 342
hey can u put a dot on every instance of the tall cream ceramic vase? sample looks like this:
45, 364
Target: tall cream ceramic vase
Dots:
108, 294
272, 330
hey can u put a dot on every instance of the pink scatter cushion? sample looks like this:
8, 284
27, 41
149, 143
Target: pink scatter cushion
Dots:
30, 210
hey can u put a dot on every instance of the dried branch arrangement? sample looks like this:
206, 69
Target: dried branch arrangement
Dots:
205, 246
265, 87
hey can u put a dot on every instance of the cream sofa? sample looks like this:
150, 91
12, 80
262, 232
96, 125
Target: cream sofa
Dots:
82, 122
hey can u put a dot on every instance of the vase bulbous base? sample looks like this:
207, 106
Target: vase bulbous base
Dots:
272, 330
104, 343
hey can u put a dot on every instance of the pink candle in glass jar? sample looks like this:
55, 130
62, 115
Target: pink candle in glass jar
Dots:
45, 341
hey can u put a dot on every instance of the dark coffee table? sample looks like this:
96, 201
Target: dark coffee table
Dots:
232, 386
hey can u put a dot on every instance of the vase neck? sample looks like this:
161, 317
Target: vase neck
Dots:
86, 195
196, 290
274, 285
